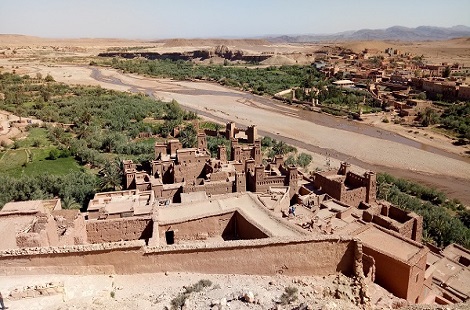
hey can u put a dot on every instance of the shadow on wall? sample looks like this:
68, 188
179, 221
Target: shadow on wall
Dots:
239, 228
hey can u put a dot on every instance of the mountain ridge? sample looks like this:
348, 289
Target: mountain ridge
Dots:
399, 33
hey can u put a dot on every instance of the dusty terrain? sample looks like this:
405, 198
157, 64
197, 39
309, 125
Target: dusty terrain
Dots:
52, 50
156, 291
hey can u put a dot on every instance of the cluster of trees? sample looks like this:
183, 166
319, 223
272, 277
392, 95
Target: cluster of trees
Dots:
444, 221
273, 147
302, 160
93, 125
74, 189
257, 80
260, 81
454, 118
348, 98
101, 121
214, 142
457, 119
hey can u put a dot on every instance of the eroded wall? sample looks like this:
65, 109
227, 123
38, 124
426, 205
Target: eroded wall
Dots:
199, 229
114, 230
228, 226
293, 257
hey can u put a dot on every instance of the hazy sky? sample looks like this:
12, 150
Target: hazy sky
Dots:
152, 19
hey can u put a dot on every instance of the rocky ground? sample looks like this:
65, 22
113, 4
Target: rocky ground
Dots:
189, 291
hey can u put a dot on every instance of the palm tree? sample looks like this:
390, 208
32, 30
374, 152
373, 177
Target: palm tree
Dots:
111, 175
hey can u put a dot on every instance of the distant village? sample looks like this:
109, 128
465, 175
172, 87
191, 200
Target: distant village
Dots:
401, 81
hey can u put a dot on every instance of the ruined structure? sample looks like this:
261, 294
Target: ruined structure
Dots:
40, 223
346, 186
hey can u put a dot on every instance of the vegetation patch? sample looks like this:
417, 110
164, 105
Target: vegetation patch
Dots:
444, 221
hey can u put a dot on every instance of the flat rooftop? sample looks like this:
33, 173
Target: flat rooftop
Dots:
246, 203
27, 206
387, 243
124, 201
10, 226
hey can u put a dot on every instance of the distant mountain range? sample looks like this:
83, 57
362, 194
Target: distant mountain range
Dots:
421, 33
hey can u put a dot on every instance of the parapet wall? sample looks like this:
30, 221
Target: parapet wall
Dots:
289, 256
115, 230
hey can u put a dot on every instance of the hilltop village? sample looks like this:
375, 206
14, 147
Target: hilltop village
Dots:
235, 214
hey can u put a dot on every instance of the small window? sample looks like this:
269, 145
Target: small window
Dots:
417, 277
170, 237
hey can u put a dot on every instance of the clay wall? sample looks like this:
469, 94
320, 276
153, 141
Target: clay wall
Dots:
346, 213
291, 257
167, 192
144, 186
114, 230
353, 180
397, 214
212, 133
173, 146
163, 170
222, 153
464, 92
189, 172
219, 176
246, 230
368, 266
353, 197
159, 149
200, 229
331, 187
211, 188
251, 133
228, 226
411, 223
43, 232
240, 182
71, 227
390, 273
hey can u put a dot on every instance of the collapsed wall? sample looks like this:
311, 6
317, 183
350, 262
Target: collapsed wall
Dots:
309, 256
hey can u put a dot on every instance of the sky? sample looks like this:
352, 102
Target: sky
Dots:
158, 19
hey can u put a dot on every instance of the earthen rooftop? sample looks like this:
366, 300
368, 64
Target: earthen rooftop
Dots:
246, 203
387, 243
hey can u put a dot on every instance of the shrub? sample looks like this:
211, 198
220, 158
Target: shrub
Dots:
54, 154
303, 160
289, 295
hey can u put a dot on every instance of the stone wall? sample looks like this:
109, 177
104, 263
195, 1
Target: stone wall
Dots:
228, 226
114, 230
353, 197
200, 229
71, 227
312, 256
43, 232
211, 188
